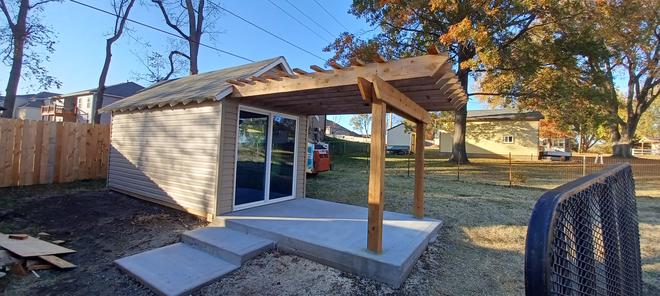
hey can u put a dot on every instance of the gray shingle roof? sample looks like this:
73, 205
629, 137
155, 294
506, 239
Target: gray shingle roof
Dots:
503, 114
205, 86
118, 90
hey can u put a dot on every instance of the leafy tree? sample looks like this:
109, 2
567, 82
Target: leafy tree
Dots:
21, 39
122, 9
576, 62
362, 123
649, 123
475, 33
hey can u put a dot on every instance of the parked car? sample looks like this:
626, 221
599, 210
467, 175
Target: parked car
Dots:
398, 149
556, 155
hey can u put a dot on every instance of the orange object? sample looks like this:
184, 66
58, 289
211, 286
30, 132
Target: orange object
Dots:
321, 160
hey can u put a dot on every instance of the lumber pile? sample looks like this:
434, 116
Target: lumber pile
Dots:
21, 254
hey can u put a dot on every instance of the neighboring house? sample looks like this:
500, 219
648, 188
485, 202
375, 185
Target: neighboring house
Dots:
647, 146
22, 100
496, 133
31, 110
80, 106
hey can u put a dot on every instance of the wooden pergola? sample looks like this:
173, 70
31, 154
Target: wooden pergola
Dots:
409, 87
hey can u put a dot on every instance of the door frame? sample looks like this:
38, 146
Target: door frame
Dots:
269, 144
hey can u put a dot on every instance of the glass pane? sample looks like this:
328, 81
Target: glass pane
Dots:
282, 156
251, 163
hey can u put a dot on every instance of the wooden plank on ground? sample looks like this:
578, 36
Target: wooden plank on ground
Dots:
57, 261
31, 247
376, 176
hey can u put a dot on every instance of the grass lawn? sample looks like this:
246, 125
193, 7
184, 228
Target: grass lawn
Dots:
480, 250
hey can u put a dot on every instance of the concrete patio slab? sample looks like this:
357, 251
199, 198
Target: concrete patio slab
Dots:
233, 246
336, 235
176, 269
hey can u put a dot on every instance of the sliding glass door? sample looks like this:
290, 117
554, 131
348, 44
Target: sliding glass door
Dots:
265, 157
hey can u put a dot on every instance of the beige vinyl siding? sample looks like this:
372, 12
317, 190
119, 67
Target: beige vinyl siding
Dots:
228, 156
301, 175
168, 155
486, 139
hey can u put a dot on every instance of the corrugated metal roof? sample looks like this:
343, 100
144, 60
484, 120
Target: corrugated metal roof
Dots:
503, 114
205, 86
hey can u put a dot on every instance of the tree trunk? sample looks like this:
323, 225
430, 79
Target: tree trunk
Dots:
18, 31
120, 22
194, 53
100, 91
458, 151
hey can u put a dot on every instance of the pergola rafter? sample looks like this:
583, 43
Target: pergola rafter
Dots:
410, 87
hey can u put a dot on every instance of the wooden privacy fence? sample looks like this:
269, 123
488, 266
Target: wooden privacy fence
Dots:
42, 152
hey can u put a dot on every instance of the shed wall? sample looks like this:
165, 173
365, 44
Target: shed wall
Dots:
228, 156
168, 155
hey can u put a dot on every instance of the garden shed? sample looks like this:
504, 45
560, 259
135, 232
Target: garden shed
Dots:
235, 138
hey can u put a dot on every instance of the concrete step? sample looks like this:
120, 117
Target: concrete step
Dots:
233, 246
176, 269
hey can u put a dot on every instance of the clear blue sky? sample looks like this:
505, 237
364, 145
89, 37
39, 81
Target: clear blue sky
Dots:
81, 34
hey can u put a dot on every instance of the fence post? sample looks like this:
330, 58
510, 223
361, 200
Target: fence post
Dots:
584, 165
510, 171
408, 164
458, 167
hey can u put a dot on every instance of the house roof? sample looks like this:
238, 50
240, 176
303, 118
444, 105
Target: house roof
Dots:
503, 114
39, 95
121, 90
34, 103
336, 128
201, 87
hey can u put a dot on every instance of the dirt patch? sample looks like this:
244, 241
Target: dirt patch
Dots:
102, 226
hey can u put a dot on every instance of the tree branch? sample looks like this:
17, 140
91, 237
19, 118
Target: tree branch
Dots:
41, 2
3, 6
167, 18
171, 58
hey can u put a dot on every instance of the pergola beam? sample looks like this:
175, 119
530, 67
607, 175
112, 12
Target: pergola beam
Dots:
383, 96
376, 177
399, 101
418, 202
409, 68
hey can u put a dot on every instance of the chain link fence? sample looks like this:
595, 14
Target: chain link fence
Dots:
583, 238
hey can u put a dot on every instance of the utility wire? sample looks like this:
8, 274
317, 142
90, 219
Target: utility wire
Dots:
267, 32
311, 19
162, 31
300, 22
332, 16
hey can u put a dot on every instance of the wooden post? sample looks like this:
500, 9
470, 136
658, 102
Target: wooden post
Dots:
418, 204
376, 176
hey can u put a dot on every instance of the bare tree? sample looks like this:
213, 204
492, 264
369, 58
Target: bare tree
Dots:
179, 14
26, 32
122, 9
